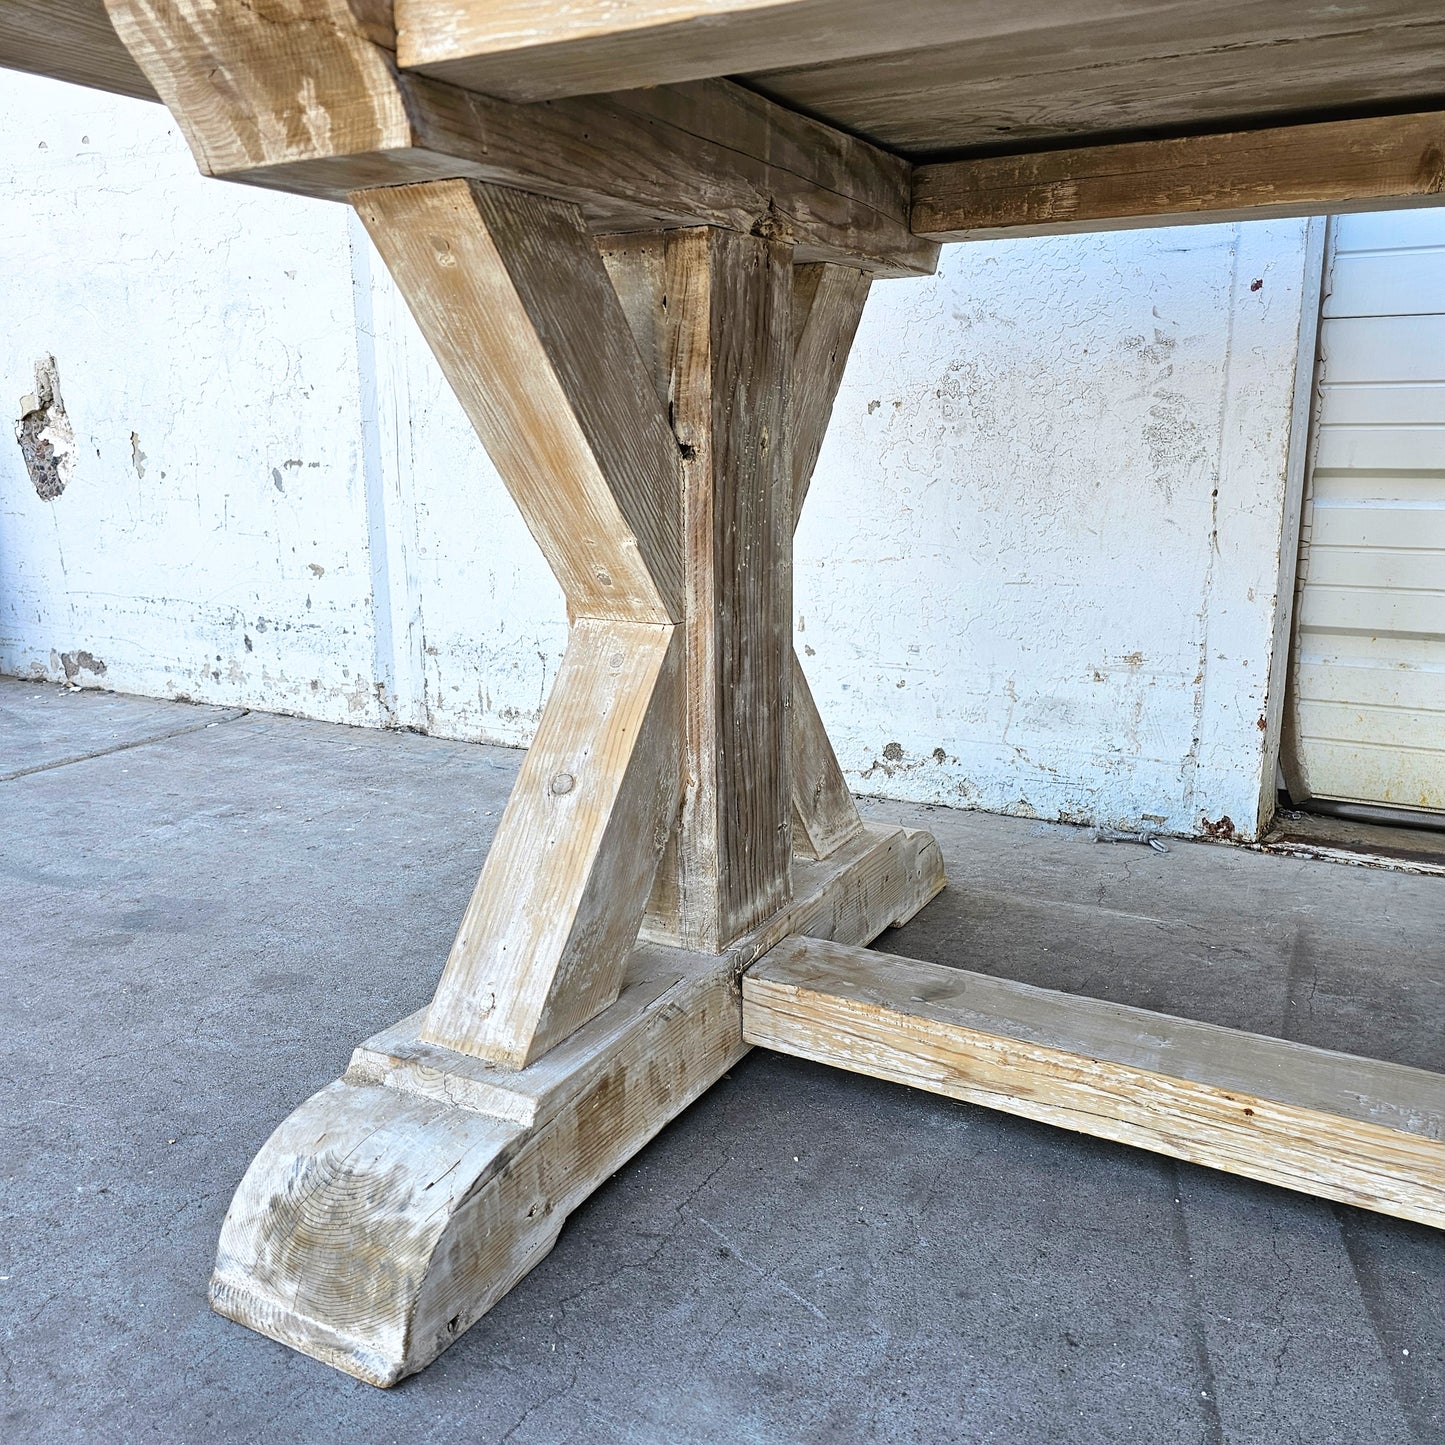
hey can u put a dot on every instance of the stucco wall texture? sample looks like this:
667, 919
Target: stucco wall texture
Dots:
1037, 572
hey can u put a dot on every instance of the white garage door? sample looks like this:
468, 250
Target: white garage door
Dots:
1367, 705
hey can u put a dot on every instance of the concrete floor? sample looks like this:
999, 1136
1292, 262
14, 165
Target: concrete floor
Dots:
205, 911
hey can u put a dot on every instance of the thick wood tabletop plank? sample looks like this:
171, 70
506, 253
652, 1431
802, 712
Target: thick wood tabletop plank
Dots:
69, 40
539, 50
1165, 68
922, 78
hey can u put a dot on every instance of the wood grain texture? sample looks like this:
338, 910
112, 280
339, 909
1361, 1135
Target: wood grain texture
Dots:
537, 49
746, 164
1356, 1130
1297, 170
378, 1224
730, 357
722, 319
515, 303
828, 304
881, 877
396, 1206
543, 942
260, 85
512, 295
303, 95
1163, 68
72, 41
922, 78
824, 813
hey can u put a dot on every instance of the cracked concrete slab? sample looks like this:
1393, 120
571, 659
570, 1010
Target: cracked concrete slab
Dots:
44, 726
200, 927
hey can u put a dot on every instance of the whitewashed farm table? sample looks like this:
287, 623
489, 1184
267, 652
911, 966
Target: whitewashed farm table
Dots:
638, 235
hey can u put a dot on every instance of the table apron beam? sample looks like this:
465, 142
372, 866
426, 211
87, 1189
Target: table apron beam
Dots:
1371, 164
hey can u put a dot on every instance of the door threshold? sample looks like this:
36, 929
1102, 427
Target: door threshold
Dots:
1351, 840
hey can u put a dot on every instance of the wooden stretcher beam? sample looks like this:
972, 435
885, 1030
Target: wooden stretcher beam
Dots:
1291, 170
1357, 1130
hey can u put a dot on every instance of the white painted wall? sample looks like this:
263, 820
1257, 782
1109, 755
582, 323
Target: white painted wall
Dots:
1036, 572
211, 542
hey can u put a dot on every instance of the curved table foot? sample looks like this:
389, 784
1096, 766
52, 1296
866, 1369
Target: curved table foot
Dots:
396, 1206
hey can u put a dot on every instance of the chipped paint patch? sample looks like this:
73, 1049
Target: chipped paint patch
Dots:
46, 440
74, 663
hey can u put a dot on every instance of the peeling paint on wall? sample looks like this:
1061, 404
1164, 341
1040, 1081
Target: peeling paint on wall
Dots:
72, 664
43, 431
194, 359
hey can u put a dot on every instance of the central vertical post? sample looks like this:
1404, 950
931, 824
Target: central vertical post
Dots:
640, 414
718, 307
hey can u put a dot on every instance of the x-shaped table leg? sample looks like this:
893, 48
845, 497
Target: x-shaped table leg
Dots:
655, 406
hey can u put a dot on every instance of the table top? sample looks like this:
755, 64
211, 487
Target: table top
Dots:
923, 78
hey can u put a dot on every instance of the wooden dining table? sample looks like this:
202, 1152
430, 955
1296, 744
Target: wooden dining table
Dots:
638, 236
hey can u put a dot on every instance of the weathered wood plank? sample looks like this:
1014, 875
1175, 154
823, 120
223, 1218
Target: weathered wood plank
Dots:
824, 813
537, 50
1071, 74
1296, 170
881, 877
73, 40
828, 304
543, 942
922, 78
511, 295
256, 86
303, 95
721, 313
1357, 1130
396, 1206
378, 1224
514, 298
